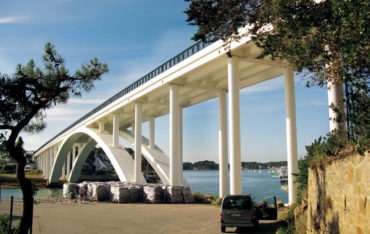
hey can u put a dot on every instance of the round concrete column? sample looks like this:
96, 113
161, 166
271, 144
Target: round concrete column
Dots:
115, 130
180, 166
291, 133
151, 132
335, 97
234, 126
174, 135
138, 138
222, 143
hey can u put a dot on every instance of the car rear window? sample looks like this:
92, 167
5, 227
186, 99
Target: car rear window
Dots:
239, 203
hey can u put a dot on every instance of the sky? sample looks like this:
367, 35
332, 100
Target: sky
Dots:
134, 37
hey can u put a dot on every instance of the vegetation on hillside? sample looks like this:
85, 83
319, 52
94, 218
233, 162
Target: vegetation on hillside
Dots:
211, 165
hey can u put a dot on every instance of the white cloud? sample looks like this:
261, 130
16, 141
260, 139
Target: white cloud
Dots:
313, 103
33, 141
85, 101
273, 84
13, 19
64, 114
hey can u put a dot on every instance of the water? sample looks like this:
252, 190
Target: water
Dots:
42, 192
261, 185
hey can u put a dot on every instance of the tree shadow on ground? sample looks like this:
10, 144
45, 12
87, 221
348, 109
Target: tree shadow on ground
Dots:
270, 227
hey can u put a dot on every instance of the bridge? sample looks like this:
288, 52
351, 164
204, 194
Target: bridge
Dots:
197, 74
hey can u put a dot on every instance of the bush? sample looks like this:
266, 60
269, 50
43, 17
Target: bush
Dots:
5, 224
288, 217
206, 199
198, 197
34, 172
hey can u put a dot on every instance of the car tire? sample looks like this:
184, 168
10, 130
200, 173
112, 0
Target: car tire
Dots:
256, 224
223, 229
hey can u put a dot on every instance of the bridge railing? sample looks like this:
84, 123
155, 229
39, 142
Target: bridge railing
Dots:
160, 69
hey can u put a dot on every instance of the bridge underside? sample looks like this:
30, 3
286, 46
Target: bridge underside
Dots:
209, 73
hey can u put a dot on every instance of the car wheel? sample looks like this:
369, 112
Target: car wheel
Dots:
256, 224
223, 229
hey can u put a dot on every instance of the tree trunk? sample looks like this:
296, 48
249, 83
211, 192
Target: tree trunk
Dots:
27, 191
17, 153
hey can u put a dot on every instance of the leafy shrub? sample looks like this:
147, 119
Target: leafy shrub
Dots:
5, 224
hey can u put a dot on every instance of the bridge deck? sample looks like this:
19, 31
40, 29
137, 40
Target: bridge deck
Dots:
200, 70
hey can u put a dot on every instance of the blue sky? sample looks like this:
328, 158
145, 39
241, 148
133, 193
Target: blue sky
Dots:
133, 37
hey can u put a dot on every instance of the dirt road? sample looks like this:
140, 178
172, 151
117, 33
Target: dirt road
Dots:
92, 217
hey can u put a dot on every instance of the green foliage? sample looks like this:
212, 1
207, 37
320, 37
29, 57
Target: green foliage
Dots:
198, 197
258, 165
206, 165
211, 165
24, 97
34, 172
323, 147
187, 166
288, 217
206, 199
5, 224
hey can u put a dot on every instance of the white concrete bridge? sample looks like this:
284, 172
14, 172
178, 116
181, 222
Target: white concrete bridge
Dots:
197, 74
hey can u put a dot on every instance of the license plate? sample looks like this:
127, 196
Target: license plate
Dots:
236, 215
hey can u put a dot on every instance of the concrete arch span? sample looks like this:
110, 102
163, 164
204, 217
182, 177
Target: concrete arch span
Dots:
121, 161
155, 156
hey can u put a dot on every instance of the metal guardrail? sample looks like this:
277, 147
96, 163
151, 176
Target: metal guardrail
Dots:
165, 66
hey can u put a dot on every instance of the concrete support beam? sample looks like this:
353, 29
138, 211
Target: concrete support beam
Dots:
133, 128
234, 126
291, 133
64, 170
174, 135
138, 138
47, 160
151, 132
222, 144
68, 163
74, 152
101, 126
115, 131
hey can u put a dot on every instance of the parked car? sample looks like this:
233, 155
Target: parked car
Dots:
242, 211
29, 166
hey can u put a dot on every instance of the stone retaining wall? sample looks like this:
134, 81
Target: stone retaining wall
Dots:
338, 196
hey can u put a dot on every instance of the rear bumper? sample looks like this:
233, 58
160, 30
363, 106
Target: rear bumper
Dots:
238, 224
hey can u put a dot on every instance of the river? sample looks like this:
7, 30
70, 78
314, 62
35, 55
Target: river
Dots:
259, 184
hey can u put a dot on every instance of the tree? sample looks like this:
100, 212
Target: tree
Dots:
329, 39
24, 97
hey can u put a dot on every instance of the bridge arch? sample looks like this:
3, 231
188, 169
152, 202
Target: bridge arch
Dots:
120, 159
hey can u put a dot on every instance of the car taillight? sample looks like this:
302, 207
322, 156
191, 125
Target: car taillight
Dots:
221, 217
253, 216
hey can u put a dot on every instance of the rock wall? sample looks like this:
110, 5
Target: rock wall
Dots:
338, 196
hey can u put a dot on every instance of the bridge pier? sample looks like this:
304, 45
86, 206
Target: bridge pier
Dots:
291, 133
234, 126
138, 136
151, 132
115, 131
222, 145
175, 160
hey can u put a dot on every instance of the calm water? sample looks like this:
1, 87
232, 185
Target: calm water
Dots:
261, 185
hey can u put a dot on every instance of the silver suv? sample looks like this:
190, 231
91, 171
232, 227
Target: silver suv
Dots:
241, 211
